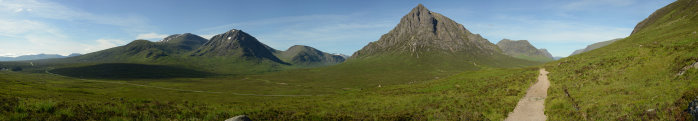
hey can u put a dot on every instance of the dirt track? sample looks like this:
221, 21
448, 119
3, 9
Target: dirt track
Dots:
531, 107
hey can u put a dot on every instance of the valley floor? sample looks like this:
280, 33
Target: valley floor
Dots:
472, 95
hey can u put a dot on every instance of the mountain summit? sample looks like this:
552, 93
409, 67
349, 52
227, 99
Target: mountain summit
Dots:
186, 41
236, 43
306, 55
422, 31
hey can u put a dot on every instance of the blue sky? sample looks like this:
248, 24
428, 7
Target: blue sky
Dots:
83, 26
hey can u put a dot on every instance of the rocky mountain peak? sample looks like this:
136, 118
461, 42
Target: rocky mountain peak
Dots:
422, 30
236, 43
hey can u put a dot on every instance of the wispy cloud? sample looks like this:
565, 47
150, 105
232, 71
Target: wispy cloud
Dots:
102, 44
278, 20
332, 33
51, 10
594, 4
554, 30
27, 29
151, 35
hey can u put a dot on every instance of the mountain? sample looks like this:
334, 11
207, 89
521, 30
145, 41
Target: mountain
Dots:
424, 45
421, 32
652, 71
186, 41
36, 57
594, 46
237, 43
524, 50
306, 55
144, 50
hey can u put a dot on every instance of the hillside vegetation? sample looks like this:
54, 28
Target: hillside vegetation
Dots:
636, 78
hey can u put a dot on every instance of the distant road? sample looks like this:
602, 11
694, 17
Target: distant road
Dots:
531, 107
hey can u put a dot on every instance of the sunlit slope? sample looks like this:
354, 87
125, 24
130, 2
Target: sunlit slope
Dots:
635, 78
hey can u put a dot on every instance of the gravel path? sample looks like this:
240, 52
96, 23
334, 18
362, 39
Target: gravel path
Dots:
531, 106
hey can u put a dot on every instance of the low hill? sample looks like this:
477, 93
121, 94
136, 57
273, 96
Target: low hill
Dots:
524, 50
308, 56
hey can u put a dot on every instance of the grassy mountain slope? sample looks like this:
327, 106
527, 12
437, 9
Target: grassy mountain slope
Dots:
634, 78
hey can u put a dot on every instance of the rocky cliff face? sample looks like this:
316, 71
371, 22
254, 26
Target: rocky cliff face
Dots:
236, 43
306, 55
523, 49
423, 31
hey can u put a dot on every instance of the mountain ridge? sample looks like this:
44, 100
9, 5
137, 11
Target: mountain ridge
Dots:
524, 50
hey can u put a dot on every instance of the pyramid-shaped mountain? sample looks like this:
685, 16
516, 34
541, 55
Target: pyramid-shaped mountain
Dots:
306, 55
236, 43
524, 50
425, 45
423, 32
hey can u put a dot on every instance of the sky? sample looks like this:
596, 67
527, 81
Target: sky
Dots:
334, 26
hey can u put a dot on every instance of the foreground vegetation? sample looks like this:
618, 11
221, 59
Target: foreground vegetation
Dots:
641, 77
487, 94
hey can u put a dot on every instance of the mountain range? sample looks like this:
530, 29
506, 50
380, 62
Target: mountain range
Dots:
232, 52
36, 57
424, 45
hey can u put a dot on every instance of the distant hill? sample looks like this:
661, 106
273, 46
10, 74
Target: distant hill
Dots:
36, 57
524, 50
557, 58
306, 55
594, 46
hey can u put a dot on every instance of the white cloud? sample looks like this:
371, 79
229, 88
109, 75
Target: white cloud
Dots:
208, 36
593, 4
102, 44
151, 35
25, 28
339, 33
551, 30
15, 28
51, 10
